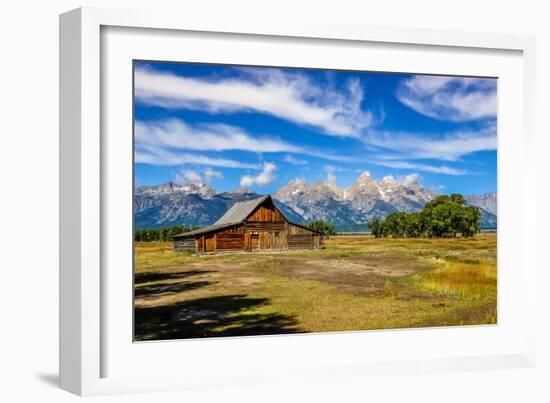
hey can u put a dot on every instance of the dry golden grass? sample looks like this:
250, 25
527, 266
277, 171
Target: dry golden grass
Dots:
461, 280
354, 283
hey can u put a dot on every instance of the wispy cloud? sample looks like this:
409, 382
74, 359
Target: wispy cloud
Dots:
177, 134
441, 169
290, 96
450, 98
445, 147
263, 178
293, 160
153, 155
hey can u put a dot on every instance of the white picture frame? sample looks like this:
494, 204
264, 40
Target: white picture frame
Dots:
85, 175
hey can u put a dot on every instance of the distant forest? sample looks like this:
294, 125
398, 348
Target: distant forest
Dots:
160, 234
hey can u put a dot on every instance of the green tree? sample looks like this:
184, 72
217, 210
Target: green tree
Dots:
163, 234
457, 198
469, 221
375, 226
321, 226
413, 225
395, 224
444, 216
440, 220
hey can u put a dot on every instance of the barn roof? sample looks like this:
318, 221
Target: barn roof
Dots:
238, 213
235, 215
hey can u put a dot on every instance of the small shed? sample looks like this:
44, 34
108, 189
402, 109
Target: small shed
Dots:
249, 226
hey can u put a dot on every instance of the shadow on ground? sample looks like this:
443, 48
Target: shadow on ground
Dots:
152, 292
141, 278
228, 315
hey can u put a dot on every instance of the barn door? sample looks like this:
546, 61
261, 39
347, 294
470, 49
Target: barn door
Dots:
254, 242
210, 243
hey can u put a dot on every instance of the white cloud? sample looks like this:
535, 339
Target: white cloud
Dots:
406, 180
210, 174
263, 178
446, 147
410, 179
177, 134
184, 176
290, 96
450, 98
162, 157
421, 167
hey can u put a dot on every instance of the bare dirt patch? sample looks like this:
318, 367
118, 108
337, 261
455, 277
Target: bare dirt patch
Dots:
386, 264
359, 275
363, 274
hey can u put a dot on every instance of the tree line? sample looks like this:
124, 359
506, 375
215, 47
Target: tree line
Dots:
321, 226
160, 234
443, 217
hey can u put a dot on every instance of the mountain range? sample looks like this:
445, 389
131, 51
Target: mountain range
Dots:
197, 204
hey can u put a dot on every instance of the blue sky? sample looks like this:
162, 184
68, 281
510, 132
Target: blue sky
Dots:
259, 127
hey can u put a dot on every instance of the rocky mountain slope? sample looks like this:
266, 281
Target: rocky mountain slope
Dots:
487, 204
197, 204
487, 201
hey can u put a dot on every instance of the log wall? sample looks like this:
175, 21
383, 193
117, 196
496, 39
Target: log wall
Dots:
268, 233
298, 230
185, 245
230, 240
266, 213
200, 244
302, 238
210, 243
265, 226
300, 242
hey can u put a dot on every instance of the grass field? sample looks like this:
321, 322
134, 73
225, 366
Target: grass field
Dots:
355, 283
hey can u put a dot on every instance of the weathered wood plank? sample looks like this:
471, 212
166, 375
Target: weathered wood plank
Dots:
185, 245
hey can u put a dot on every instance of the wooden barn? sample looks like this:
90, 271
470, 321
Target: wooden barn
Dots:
249, 226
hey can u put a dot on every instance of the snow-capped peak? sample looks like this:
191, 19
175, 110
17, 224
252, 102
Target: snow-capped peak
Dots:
171, 187
388, 179
365, 174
